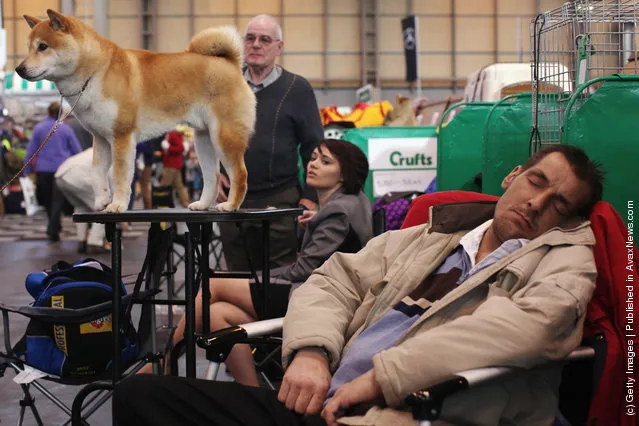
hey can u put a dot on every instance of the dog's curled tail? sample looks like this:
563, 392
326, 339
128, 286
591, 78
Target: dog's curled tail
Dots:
224, 42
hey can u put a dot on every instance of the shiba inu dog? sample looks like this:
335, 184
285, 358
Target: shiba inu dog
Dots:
129, 96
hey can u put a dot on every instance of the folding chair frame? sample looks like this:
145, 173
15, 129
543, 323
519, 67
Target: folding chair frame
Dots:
68, 316
215, 248
89, 407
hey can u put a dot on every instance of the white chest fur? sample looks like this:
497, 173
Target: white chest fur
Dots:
97, 113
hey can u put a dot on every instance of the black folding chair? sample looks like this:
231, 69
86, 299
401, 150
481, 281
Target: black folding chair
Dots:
11, 359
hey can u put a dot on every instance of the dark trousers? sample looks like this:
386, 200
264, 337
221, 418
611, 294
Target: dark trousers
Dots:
51, 198
283, 234
156, 401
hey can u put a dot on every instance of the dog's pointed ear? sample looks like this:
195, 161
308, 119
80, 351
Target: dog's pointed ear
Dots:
31, 20
59, 22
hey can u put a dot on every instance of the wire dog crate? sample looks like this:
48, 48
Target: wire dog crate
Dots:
571, 46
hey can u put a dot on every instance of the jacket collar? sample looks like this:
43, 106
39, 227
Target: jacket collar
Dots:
455, 217
336, 195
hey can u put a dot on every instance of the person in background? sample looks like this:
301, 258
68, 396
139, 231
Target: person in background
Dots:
148, 149
288, 120
6, 130
6, 146
173, 146
61, 145
70, 178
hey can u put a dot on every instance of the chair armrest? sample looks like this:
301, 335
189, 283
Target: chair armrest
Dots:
426, 404
70, 316
219, 343
262, 328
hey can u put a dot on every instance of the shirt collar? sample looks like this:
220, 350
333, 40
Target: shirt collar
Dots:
275, 73
470, 242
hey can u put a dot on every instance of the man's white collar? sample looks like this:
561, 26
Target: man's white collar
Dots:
472, 240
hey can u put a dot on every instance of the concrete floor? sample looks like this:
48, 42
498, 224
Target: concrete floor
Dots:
22, 254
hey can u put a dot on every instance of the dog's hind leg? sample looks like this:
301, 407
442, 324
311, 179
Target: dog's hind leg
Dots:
99, 172
233, 139
123, 167
210, 164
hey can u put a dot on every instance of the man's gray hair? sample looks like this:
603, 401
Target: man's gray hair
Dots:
278, 29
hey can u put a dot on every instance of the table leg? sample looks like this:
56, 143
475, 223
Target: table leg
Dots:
266, 277
189, 295
153, 282
207, 230
116, 265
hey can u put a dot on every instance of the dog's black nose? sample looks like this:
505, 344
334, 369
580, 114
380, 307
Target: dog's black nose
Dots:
21, 70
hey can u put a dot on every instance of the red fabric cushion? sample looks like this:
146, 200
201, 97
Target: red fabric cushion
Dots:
607, 313
419, 211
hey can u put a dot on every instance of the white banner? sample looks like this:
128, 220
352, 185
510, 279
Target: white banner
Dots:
404, 180
402, 153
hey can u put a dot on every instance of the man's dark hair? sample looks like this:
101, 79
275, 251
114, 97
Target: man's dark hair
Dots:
584, 168
352, 161
54, 109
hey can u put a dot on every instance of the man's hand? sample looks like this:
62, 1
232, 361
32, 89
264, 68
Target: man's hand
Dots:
222, 183
362, 389
306, 382
306, 217
308, 204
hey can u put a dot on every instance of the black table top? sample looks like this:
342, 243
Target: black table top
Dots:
185, 215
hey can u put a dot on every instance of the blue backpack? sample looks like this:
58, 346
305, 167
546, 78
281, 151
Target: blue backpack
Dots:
73, 350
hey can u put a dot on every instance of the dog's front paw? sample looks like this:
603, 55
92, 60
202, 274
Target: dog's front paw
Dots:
199, 206
101, 203
116, 207
225, 207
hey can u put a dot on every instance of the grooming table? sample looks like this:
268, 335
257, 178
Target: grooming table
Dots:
200, 229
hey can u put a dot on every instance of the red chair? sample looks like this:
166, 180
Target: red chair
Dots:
419, 211
607, 314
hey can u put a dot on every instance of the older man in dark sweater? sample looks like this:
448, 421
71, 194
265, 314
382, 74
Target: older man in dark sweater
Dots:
287, 119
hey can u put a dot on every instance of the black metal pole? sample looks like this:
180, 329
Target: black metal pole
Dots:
116, 265
207, 230
266, 225
189, 276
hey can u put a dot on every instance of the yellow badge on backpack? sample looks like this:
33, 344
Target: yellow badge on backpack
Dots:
101, 325
59, 331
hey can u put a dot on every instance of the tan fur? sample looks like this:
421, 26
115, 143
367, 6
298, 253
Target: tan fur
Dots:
402, 115
134, 95
216, 42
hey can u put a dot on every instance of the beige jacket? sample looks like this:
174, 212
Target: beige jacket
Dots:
526, 309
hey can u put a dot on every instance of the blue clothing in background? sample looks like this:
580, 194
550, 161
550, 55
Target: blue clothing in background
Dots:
62, 145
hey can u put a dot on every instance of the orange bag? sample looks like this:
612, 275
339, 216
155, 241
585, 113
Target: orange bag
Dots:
362, 115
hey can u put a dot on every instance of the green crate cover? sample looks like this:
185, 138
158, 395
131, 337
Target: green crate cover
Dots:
506, 140
507, 137
459, 148
360, 137
605, 127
